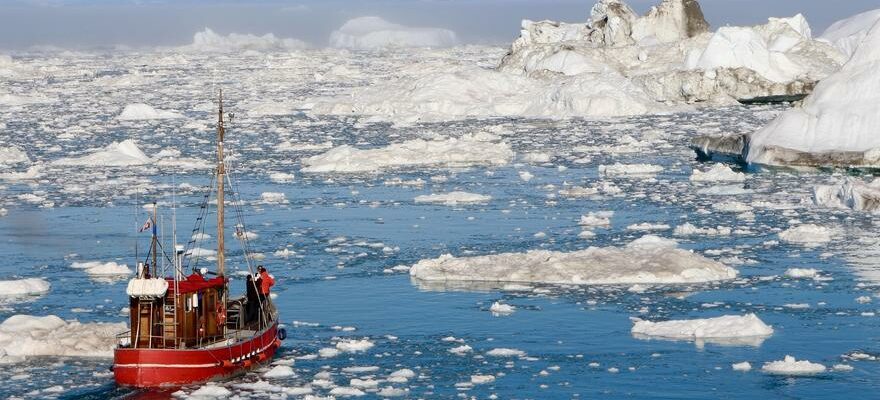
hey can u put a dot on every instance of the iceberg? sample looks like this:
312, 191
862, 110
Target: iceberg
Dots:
24, 287
791, 366
837, 125
368, 33
846, 35
650, 260
852, 193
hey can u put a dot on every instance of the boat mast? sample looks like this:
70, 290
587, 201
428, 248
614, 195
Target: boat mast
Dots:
221, 171
154, 242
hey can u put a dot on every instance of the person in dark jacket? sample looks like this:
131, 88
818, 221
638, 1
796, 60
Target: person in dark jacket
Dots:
252, 310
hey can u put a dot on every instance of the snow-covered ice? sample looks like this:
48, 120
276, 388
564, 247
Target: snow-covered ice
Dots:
728, 329
791, 366
23, 287
23, 336
647, 260
453, 198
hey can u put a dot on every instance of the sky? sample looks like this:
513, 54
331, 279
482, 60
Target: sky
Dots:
140, 23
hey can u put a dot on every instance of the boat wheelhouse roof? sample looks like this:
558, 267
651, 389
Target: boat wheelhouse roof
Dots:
195, 283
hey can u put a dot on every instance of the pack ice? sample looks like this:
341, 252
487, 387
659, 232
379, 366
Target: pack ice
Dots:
23, 336
649, 260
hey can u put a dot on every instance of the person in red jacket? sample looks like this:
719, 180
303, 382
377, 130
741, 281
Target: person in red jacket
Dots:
267, 281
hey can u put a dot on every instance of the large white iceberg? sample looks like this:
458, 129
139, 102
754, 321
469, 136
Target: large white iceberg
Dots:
23, 336
469, 150
650, 260
846, 35
374, 32
838, 124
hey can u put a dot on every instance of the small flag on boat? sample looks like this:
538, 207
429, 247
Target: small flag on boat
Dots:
147, 225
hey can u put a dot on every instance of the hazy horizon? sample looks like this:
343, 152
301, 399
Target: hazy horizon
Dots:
143, 23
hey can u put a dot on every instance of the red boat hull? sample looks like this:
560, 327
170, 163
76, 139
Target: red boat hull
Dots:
148, 368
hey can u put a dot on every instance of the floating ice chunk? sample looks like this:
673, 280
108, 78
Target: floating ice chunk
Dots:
482, 379
647, 260
461, 350
24, 287
525, 176
498, 308
469, 150
630, 169
505, 352
32, 173
12, 155
389, 391
851, 193
718, 172
647, 226
596, 219
728, 329
847, 34
102, 268
273, 198
842, 368
346, 391
210, 391
281, 177
453, 198
375, 33
798, 273
23, 336
116, 154
279, 371
354, 345
791, 366
536, 158
210, 41
328, 352
401, 375
807, 234
141, 111
687, 229
732, 207
743, 366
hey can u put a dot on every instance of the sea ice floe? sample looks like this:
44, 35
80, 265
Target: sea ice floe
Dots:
728, 329
718, 173
852, 193
807, 235
24, 287
102, 268
453, 198
790, 366
116, 154
647, 260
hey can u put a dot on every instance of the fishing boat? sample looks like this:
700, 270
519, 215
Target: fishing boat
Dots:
185, 326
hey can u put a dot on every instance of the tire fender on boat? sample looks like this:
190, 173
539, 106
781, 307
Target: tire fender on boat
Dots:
282, 334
